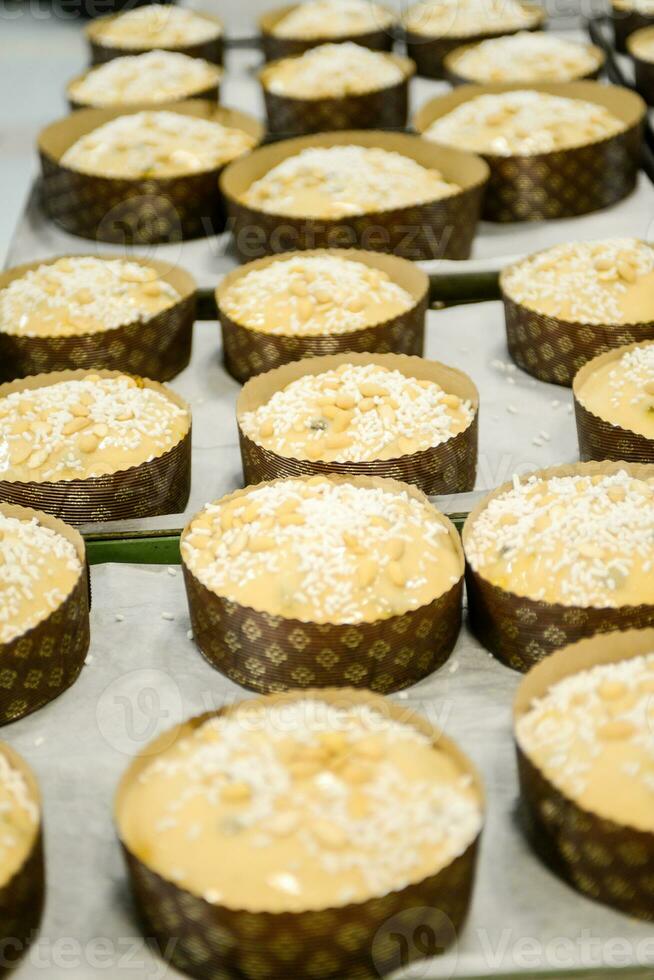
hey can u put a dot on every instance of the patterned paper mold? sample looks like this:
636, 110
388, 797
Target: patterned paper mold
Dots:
643, 66
441, 229
383, 108
160, 486
275, 47
158, 348
22, 897
270, 653
43, 662
598, 438
562, 183
429, 53
133, 211
248, 352
520, 631
606, 861
449, 467
210, 940
211, 50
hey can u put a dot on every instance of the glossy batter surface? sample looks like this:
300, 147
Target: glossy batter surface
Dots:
622, 392
157, 26
156, 76
332, 71
529, 56
333, 18
19, 818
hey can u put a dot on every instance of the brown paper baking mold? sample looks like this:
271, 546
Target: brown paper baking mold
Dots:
643, 69
45, 661
450, 467
384, 108
554, 350
562, 183
451, 74
136, 211
608, 862
157, 349
269, 653
625, 23
210, 93
160, 486
214, 942
249, 352
275, 47
429, 52
598, 438
442, 229
520, 631
23, 896
211, 50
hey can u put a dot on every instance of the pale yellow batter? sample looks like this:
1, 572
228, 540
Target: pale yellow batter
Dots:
38, 569
91, 427
156, 76
641, 45
603, 282
333, 18
156, 144
622, 391
523, 123
340, 181
358, 413
574, 540
323, 552
332, 71
591, 735
156, 26
529, 56
19, 820
308, 805
641, 6
463, 18
83, 295
314, 296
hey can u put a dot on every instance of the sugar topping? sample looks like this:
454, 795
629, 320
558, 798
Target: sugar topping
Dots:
155, 76
603, 282
592, 736
339, 181
298, 792
576, 540
333, 71
524, 122
87, 427
314, 296
156, 26
38, 569
333, 18
156, 144
19, 816
463, 18
80, 295
622, 391
321, 551
529, 56
357, 413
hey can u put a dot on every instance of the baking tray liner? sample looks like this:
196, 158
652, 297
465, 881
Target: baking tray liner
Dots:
450, 467
600, 439
608, 862
211, 50
644, 70
554, 350
211, 93
269, 653
160, 486
43, 662
563, 183
520, 631
441, 229
454, 78
248, 352
275, 47
625, 23
354, 941
385, 108
23, 896
131, 211
429, 52
157, 349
